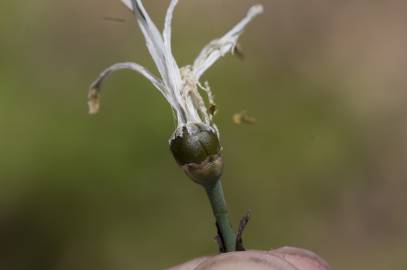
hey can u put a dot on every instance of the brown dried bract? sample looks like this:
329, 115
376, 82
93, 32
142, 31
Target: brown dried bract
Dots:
243, 118
93, 101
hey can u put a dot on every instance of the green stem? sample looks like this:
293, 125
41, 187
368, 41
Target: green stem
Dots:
217, 199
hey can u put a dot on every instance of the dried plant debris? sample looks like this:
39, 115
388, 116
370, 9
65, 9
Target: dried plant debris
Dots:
243, 118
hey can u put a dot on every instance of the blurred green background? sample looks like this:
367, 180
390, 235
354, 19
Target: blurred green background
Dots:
323, 168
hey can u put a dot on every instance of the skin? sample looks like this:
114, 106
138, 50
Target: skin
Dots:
286, 258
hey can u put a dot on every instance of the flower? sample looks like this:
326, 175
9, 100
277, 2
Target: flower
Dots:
195, 143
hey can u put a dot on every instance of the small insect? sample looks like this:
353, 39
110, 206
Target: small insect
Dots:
243, 118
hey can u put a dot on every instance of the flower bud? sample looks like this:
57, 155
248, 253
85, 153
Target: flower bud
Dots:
197, 150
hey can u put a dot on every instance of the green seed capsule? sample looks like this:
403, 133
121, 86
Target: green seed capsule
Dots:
197, 150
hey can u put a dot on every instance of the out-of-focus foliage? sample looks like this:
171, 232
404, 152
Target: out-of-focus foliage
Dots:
323, 168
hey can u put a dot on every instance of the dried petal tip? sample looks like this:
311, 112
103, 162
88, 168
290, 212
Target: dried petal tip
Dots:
93, 101
197, 150
254, 10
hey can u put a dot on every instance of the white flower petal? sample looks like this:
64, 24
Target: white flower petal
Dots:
151, 34
168, 22
128, 4
95, 88
219, 47
173, 68
160, 53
